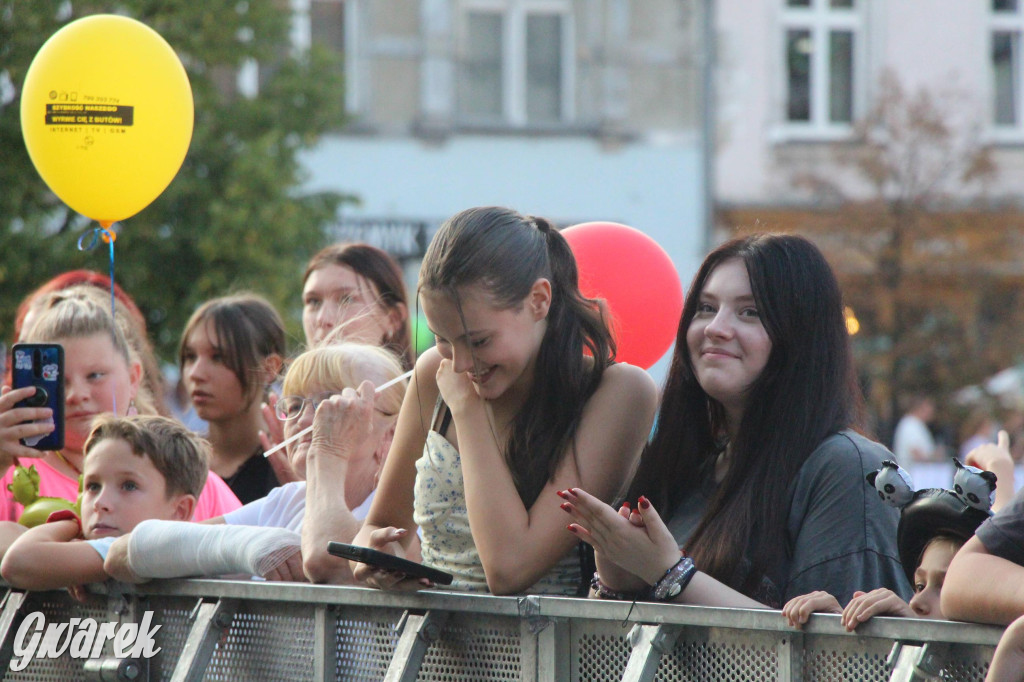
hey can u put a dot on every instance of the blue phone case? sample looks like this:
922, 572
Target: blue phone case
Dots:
41, 365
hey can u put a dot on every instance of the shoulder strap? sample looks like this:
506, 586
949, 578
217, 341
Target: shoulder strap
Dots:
440, 409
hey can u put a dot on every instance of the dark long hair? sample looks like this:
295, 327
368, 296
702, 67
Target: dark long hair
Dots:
380, 269
505, 253
807, 391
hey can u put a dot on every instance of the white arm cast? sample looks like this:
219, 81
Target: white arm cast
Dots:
177, 549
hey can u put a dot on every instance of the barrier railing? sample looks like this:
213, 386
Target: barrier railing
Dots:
237, 630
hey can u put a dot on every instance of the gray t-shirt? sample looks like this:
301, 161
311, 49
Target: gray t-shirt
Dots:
843, 536
1003, 534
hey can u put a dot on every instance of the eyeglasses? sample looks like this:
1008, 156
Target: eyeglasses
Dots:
291, 407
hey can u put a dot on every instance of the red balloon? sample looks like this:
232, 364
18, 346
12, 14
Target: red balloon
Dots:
638, 282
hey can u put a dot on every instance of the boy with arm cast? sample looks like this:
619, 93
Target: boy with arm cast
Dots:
135, 468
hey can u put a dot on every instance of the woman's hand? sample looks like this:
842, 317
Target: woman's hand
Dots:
644, 546
13, 427
273, 436
880, 602
387, 540
343, 424
798, 609
611, 574
456, 387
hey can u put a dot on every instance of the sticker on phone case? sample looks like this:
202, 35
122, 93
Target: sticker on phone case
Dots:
22, 360
50, 372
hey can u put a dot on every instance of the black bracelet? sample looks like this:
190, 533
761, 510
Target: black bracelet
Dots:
675, 580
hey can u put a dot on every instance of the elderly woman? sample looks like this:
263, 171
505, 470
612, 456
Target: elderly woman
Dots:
331, 388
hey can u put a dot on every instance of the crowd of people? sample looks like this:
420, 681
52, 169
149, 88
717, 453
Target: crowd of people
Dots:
520, 457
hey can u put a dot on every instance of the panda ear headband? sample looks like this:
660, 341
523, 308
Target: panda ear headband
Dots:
926, 514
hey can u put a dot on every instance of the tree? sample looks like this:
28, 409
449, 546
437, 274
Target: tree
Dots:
923, 154
234, 217
901, 212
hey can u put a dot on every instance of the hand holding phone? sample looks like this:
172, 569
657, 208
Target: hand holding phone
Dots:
389, 562
41, 365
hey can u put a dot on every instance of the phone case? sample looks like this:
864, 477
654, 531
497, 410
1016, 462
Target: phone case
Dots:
388, 561
41, 365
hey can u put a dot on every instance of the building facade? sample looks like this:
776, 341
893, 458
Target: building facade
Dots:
577, 110
890, 133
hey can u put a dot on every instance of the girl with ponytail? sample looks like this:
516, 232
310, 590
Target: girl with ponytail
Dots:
520, 398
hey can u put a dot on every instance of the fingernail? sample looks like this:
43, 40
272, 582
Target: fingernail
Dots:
625, 503
644, 502
561, 493
565, 506
571, 528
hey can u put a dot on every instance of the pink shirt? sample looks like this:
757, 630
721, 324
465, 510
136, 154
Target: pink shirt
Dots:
215, 500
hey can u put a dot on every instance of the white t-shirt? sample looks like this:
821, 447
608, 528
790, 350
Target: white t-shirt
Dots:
912, 434
283, 507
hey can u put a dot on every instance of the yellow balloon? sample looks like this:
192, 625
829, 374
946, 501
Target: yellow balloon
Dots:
107, 114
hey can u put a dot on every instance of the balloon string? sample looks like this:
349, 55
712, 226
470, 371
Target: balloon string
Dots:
107, 235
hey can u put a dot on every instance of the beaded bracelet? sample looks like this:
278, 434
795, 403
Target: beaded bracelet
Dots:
675, 580
602, 591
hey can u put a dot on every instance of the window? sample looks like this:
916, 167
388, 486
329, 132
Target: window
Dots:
822, 43
514, 63
320, 22
1007, 26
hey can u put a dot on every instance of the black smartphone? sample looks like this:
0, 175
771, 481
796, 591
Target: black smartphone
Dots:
41, 365
390, 562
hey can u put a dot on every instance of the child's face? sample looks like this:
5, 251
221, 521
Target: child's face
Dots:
929, 576
213, 387
120, 489
496, 347
96, 377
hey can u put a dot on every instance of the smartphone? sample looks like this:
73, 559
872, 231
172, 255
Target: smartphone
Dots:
41, 365
390, 562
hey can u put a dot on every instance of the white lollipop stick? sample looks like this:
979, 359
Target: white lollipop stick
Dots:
303, 432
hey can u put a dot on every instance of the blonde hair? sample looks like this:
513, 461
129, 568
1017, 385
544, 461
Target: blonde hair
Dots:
346, 365
149, 399
180, 456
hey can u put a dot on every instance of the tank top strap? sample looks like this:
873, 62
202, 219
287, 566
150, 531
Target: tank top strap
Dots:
440, 409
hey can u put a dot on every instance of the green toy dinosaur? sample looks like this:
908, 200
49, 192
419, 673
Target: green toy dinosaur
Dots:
24, 487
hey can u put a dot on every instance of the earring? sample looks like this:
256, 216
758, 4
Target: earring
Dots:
132, 410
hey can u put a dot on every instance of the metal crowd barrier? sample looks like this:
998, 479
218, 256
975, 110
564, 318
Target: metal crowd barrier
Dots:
237, 630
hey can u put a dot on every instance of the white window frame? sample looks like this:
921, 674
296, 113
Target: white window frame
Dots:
513, 59
1006, 22
820, 19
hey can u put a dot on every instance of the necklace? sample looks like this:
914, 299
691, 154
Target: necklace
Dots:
64, 459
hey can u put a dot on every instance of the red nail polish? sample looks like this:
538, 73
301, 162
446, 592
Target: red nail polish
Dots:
561, 493
565, 506
570, 528
625, 503
644, 502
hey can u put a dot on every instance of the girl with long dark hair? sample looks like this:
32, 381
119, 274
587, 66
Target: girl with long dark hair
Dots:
755, 463
520, 398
